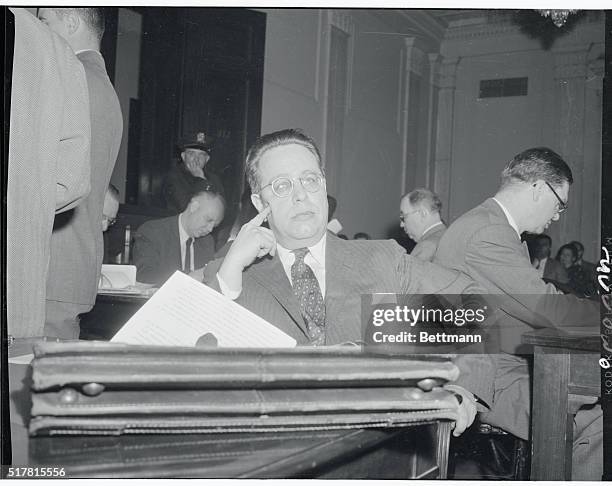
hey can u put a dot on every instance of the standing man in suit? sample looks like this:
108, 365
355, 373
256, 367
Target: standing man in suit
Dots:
307, 281
549, 269
182, 242
48, 162
77, 247
485, 244
420, 219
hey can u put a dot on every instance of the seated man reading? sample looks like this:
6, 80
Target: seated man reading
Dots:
181, 242
307, 281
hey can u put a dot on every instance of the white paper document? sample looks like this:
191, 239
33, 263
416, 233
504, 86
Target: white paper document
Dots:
183, 310
117, 276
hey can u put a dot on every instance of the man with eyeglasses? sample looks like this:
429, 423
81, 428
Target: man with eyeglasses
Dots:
420, 219
110, 208
485, 244
307, 281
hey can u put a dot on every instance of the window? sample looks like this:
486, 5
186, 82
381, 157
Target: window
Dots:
500, 88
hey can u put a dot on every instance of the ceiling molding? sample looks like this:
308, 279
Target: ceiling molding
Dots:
412, 23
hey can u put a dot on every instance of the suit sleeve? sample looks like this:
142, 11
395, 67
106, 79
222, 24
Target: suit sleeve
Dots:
424, 250
73, 162
477, 375
419, 277
497, 256
210, 274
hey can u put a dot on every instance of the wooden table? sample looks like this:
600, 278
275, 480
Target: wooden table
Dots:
566, 376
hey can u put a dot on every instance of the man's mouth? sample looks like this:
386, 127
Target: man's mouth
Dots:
304, 215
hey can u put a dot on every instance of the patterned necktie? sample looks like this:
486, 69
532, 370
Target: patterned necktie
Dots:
306, 289
187, 267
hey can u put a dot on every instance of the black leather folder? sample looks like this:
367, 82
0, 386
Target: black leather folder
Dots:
100, 388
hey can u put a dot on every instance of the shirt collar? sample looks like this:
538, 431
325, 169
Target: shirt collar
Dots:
88, 50
183, 236
317, 251
508, 217
430, 227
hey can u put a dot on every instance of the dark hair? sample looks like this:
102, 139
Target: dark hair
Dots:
534, 164
570, 247
422, 196
95, 18
269, 141
542, 236
579, 246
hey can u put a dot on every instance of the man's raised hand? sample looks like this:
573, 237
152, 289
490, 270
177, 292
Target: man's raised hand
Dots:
253, 241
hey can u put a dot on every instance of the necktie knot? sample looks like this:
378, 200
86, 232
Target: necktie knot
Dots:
300, 254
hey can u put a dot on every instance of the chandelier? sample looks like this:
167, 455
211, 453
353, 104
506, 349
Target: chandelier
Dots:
559, 17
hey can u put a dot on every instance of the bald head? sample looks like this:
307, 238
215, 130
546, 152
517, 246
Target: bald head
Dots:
203, 214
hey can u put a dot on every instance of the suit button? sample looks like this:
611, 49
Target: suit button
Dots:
427, 384
68, 395
93, 389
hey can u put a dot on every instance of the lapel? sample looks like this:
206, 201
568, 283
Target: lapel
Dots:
526, 251
270, 274
174, 242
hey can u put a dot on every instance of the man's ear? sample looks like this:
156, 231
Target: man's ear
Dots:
183, 156
72, 22
193, 206
257, 202
537, 189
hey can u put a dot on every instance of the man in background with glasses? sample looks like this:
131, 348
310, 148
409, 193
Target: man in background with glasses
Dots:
485, 244
420, 219
308, 282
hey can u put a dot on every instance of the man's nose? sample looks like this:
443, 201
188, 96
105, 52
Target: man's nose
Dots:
299, 193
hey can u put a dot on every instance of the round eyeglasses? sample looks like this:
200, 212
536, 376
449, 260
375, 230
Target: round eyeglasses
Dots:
283, 186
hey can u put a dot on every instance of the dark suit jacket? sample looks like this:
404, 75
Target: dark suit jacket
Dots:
553, 270
77, 247
353, 268
180, 185
426, 248
157, 250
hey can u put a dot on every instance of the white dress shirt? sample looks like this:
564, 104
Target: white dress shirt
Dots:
509, 217
430, 227
315, 259
183, 237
